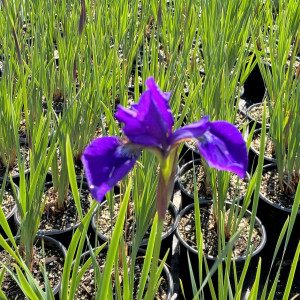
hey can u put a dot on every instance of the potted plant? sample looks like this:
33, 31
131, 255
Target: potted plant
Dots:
136, 233
280, 182
30, 207
87, 288
236, 188
211, 237
148, 124
11, 106
115, 262
59, 209
223, 219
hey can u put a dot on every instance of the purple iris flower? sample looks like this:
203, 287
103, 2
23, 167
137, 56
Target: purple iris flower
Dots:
148, 125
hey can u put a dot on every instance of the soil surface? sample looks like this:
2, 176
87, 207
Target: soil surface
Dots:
269, 146
86, 289
239, 119
104, 221
24, 151
58, 102
22, 128
8, 200
270, 188
131, 82
234, 191
104, 125
53, 219
22, 132
187, 229
256, 113
54, 260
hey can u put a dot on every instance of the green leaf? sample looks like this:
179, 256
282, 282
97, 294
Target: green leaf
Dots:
113, 246
292, 274
80, 231
148, 258
25, 286
72, 176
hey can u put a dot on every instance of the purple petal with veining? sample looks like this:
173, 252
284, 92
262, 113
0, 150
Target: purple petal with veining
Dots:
144, 123
191, 131
224, 148
162, 101
106, 161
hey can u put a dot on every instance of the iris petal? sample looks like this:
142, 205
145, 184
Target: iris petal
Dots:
150, 121
106, 161
162, 101
191, 131
224, 148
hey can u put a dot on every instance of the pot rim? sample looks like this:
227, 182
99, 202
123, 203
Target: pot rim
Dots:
22, 142
184, 168
236, 259
270, 160
168, 274
17, 175
265, 199
172, 207
248, 115
57, 244
50, 232
194, 150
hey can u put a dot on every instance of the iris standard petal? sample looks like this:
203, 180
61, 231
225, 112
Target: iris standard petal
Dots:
144, 123
106, 161
224, 148
162, 101
191, 131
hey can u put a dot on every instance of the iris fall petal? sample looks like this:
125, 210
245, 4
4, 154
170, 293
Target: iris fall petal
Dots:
223, 148
106, 161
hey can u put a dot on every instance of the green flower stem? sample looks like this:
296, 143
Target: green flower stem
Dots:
166, 182
155, 257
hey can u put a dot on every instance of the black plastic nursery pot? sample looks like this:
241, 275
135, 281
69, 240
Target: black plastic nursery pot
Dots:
187, 251
16, 176
254, 86
132, 88
140, 255
166, 239
65, 235
250, 117
188, 153
16, 179
254, 154
58, 109
274, 216
51, 243
176, 180
186, 196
